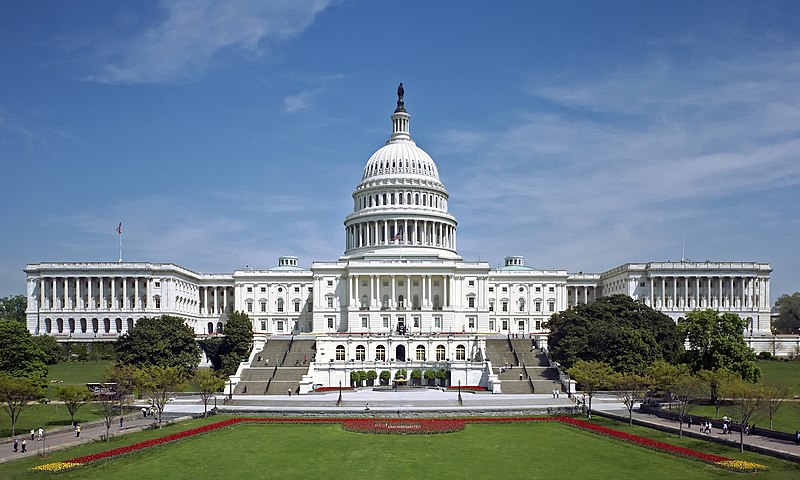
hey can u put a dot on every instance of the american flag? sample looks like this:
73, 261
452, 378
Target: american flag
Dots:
119, 228
399, 236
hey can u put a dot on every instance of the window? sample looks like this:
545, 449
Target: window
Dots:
491, 289
330, 322
521, 305
280, 325
538, 324
385, 322
491, 306
440, 352
249, 289
263, 289
330, 283
416, 322
309, 306
263, 305
263, 325
505, 289
504, 324
472, 283
329, 302
420, 353
538, 289
364, 322
491, 325
361, 353
385, 302
249, 306
380, 353
471, 301
551, 306
157, 284
538, 306
551, 289
340, 352
158, 301
471, 321
437, 321
296, 289
461, 352
280, 305
504, 306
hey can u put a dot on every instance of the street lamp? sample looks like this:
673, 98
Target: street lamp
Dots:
339, 401
230, 389
460, 401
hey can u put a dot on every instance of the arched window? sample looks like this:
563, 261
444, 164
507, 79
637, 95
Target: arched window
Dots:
461, 352
118, 324
106, 325
280, 304
420, 353
83, 325
440, 353
130, 324
71, 323
95, 327
249, 305
60, 325
380, 353
210, 327
400, 303
361, 353
220, 328
521, 304
340, 352
48, 325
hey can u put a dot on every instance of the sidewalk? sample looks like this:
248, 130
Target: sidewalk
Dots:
765, 445
64, 437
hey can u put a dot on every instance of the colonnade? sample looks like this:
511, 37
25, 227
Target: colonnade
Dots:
215, 300
95, 293
401, 232
431, 297
720, 292
581, 294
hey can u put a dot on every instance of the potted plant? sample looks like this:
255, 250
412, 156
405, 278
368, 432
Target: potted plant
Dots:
385, 377
430, 376
371, 376
441, 375
416, 376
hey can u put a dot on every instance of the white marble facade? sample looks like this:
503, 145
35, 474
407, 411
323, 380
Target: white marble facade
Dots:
400, 272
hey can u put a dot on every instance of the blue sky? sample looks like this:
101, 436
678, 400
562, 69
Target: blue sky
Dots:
223, 134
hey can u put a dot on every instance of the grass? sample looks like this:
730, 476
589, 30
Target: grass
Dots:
75, 374
508, 451
786, 418
787, 373
49, 416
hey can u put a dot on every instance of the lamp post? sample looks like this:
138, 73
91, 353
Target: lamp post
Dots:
460, 401
230, 389
339, 401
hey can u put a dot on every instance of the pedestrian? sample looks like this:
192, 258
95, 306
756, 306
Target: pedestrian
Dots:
16, 445
33, 434
558, 393
366, 408
41, 433
689, 423
144, 412
290, 392
520, 376
121, 419
78, 430
24, 445
797, 437
305, 359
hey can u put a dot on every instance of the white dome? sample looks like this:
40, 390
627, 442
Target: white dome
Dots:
402, 157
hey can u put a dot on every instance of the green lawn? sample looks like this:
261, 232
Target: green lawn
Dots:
75, 374
49, 416
491, 451
786, 419
787, 373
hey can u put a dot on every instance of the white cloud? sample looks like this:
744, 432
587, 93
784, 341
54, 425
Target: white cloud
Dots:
193, 34
301, 100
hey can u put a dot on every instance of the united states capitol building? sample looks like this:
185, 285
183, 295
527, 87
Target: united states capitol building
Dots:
400, 296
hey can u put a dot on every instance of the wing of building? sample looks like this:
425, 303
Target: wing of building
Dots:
399, 296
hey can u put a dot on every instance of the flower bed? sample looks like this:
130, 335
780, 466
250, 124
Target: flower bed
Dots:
411, 426
331, 389
422, 426
469, 388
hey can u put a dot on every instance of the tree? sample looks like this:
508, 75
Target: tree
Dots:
714, 382
774, 395
630, 388
13, 308
788, 320
665, 375
15, 393
52, 351
429, 375
74, 397
159, 384
163, 341
19, 354
124, 380
716, 340
385, 376
107, 404
371, 376
688, 389
615, 330
748, 399
209, 383
591, 377
237, 343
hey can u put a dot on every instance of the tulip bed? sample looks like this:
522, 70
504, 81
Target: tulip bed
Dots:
410, 426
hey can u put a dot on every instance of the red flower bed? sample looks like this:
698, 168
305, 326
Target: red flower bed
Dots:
408, 426
331, 389
421, 426
471, 388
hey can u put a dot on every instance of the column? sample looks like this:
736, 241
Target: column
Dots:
125, 293
663, 287
136, 293
393, 297
730, 298
225, 299
65, 305
652, 293
78, 297
216, 302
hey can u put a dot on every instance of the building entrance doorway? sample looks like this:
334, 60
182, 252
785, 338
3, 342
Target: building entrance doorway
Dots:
400, 353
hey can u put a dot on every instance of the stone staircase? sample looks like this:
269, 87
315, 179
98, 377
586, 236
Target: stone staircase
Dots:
536, 376
277, 368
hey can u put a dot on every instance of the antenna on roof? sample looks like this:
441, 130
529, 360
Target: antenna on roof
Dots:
683, 240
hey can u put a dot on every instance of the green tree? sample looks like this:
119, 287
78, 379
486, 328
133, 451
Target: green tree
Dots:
208, 383
20, 356
714, 382
615, 330
591, 377
159, 384
774, 396
74, 397
371, 376
52, 351
716, 340
237, 343
665, 375
748, 399
13, 308
15, 393
385, 376
164, 341
630, 388
788, 320
688, 389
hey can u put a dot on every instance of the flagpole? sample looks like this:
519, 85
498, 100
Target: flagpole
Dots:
119, 232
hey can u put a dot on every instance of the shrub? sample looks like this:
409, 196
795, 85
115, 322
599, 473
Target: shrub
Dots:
765, 356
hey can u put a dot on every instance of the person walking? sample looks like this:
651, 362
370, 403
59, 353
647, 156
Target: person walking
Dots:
24, 445
41, 433
16, 445
33, 434
78, 430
